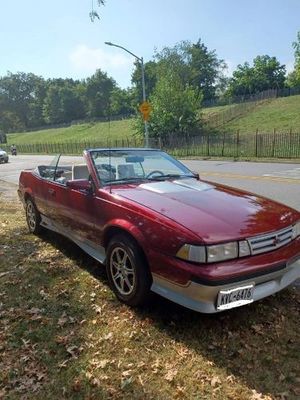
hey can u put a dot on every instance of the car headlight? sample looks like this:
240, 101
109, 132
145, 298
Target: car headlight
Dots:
296, 230
214, 253
192, 253
221, 252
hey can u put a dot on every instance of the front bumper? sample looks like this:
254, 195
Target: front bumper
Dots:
203, 298
3, 159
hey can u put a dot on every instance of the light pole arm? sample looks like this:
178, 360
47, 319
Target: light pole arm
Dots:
123, 48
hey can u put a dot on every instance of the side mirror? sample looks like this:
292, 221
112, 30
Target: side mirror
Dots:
83, 185
196, 175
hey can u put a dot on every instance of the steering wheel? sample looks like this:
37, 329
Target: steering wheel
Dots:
154, 172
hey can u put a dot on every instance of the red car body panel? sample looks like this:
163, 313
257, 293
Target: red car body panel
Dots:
216, 214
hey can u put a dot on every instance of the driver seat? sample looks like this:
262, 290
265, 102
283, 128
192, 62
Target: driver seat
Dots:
80, 171
124, 171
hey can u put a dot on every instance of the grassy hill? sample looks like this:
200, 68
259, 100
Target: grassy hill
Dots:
99, 131
282, 114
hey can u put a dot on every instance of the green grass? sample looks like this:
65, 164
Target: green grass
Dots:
281, 114
63, 335
207, 113
100, 131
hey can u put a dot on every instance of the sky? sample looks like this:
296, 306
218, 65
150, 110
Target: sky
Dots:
57, 38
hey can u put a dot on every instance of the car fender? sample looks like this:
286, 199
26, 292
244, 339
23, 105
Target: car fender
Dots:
127, 227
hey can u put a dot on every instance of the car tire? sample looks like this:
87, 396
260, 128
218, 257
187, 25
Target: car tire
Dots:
33, 217
127, 270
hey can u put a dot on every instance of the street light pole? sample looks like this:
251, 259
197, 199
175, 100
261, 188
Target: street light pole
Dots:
140, 59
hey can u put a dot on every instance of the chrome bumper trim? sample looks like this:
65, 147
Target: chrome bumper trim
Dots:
202, 298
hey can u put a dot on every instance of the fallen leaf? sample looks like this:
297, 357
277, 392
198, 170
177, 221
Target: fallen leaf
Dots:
108, 336
170, 375
73, 351
126, 373
256, 395
103, 363
215, 381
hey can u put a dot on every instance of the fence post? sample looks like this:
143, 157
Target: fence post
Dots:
256, 143
223, 144
291, 147
273, 144
237, 142
208, 143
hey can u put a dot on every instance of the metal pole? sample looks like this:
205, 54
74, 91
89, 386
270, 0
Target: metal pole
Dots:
144, 99
143, 85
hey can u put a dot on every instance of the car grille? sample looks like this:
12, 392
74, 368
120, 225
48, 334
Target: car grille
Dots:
271, 241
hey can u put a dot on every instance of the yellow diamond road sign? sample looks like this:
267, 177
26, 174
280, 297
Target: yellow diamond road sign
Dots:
145, 109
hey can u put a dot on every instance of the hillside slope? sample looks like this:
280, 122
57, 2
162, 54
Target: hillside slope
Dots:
99, 131
281, 114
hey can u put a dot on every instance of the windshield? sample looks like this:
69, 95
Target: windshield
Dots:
123, 165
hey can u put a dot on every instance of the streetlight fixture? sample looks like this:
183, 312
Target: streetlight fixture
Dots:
140, 59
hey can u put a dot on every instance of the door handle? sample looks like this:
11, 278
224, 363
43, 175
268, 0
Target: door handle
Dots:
52, 192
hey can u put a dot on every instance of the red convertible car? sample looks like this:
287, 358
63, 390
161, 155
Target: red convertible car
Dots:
158, 227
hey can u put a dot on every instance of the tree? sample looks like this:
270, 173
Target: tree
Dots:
64, 102
23, 94
174, 107
266, 73
206, 69
150, 80
293, 79
99, 88
121, 102
194, 64
9, 122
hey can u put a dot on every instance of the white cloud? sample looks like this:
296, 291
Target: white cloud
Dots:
86, 60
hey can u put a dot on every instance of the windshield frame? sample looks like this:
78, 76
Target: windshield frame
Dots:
110, 153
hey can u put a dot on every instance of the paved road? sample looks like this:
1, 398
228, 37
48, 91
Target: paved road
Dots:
274, 180
277, 181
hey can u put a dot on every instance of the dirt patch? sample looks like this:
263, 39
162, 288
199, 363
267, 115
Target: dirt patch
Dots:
8, 191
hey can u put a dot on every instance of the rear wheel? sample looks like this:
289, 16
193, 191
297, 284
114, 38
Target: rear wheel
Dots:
33, 217
127, 271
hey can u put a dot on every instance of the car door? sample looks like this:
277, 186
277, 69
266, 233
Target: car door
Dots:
70, 210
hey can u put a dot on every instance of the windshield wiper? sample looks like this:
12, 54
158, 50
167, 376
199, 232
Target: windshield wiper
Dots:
170, 176
131, 179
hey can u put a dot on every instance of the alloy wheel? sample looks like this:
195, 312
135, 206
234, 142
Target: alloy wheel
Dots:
122, 271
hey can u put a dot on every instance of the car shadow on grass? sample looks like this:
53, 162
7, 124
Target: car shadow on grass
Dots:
258, 344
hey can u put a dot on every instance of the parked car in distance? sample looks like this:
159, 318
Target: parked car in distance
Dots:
3, 156
158, 227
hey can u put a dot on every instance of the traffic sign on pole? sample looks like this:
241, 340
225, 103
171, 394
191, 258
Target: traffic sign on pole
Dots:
145, 108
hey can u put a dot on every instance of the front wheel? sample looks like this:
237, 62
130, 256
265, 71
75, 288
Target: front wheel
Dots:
127, 271
33, 217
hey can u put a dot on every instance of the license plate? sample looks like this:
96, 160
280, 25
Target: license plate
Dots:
235, 297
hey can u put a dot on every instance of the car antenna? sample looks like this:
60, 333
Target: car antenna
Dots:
109, 148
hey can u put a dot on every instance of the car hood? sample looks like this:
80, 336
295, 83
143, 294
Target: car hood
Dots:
213, 212
3, 153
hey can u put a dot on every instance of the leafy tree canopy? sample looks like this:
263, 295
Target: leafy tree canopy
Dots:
266, 73
194, 64
293, 78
